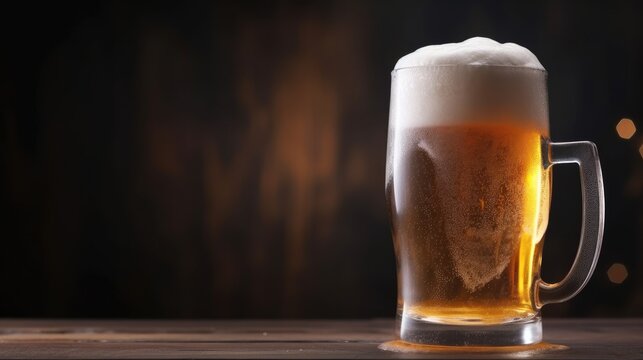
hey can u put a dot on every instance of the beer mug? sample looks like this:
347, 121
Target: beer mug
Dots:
468, 185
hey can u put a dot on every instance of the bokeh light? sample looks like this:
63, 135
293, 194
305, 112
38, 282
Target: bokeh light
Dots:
617, 273
626, 128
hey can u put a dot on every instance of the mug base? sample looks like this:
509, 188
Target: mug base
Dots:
521, 332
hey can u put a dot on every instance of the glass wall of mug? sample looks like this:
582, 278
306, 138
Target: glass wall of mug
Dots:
469, 192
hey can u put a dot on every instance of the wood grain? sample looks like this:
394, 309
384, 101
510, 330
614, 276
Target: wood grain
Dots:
294, 339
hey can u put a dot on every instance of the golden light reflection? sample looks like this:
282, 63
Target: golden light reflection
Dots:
641, 150
532, 206
617, 273
516, 351
625, 128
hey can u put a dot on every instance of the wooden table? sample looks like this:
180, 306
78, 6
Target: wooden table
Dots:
317, 339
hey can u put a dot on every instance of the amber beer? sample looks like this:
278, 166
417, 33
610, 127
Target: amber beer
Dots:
469, 205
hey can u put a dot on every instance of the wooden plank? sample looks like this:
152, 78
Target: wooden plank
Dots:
67, 339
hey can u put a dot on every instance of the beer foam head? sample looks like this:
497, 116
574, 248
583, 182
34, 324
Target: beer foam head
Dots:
462, 82
474, 51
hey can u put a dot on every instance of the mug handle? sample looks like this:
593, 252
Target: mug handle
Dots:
584, 154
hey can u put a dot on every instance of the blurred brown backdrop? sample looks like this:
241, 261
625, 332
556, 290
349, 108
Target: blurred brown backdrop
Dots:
224, 159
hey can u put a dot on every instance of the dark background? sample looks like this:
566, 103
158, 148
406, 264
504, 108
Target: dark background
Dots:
224, 159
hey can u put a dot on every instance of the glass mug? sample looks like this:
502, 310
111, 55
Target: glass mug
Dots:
468, 186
